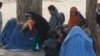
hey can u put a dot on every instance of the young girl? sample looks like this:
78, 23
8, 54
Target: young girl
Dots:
60, 35
74, 17
51, 45
54, 19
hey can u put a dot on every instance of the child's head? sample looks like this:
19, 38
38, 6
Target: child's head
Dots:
0, 5
51, 34
28, 15
73, 11
83, 24
59, 29
66, 28
51, 9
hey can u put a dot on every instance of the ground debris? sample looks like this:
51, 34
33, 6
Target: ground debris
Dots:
4, 52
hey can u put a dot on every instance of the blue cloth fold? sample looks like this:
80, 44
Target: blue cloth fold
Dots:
7, 30
19, 40
77, 43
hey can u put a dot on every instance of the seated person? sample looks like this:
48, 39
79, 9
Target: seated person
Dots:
60, 35
7, 31
77, 43
51, 45
18, 40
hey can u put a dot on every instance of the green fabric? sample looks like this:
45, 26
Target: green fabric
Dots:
36, 41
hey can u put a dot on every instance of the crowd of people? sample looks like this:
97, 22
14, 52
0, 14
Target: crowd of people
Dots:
54, 37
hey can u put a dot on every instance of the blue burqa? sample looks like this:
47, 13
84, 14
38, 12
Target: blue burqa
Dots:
77, 43
19, 40
7, 30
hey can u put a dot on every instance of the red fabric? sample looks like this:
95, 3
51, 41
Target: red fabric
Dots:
73, 20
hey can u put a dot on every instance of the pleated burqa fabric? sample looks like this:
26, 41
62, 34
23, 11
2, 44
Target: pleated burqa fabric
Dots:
19, 40
7, 30
77, 43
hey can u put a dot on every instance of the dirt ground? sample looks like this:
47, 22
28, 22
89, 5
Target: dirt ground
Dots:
4, 52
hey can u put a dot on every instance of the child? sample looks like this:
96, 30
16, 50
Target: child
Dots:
74, 17
66, 29
84, 26
60, 35
50, 45
54, 19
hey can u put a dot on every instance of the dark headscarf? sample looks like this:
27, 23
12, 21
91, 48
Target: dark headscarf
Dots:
41, 24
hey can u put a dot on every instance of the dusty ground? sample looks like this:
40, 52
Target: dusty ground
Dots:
9, 10
4, 52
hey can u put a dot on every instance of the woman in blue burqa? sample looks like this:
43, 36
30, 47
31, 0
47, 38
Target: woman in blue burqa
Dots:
7, 31
77, 43
18, 40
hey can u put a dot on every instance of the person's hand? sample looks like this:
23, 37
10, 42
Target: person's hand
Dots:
60, 39
31, 38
